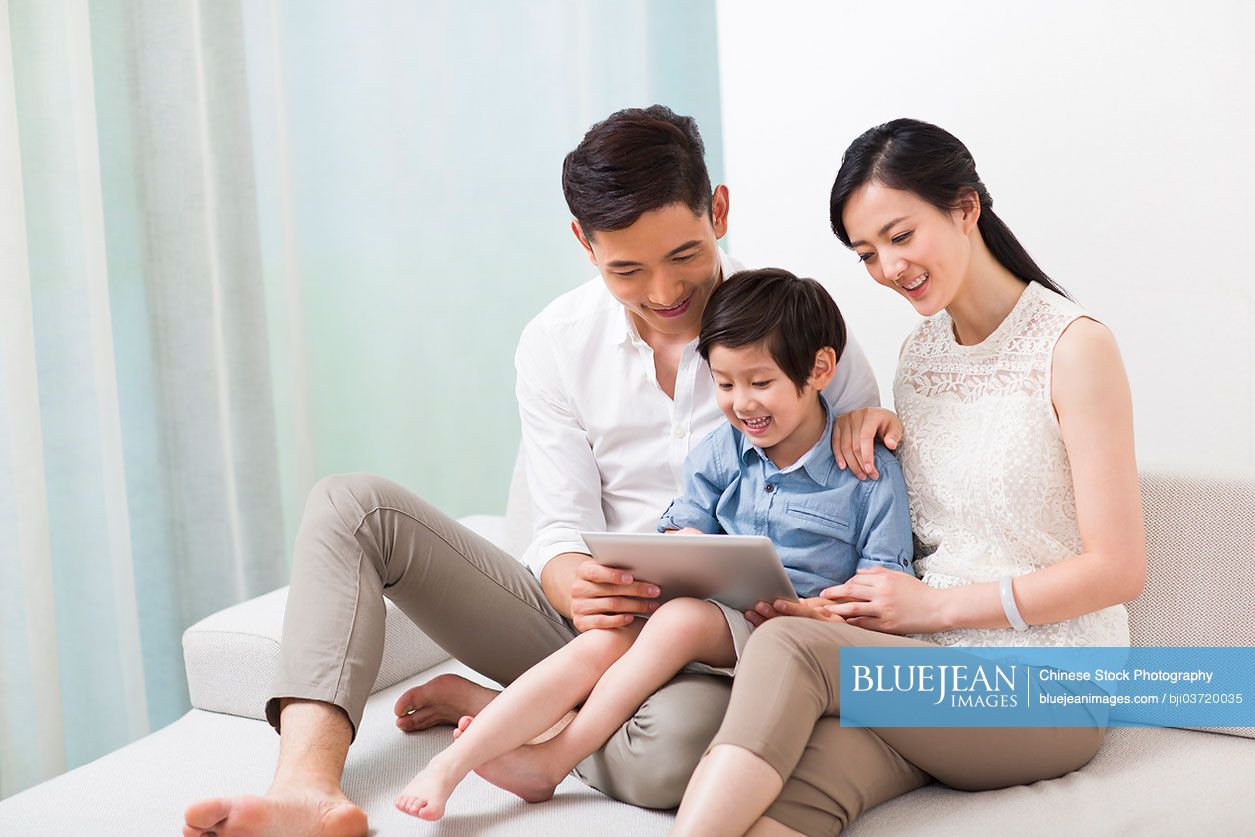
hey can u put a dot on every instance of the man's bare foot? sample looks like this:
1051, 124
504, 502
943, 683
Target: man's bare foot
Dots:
279, 813
524, 772
441, 700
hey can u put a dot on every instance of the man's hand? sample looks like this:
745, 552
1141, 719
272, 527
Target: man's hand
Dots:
603, 597
854, 435
592, 595
812, 608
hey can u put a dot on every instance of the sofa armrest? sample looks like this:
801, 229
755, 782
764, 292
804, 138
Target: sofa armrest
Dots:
232, 656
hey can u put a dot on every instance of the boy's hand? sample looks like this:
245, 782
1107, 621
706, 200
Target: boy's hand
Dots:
854, 436
687, 530
812, 608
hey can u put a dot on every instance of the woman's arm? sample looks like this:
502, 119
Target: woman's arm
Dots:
1091, 397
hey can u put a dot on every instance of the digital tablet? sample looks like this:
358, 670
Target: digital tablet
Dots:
737, 570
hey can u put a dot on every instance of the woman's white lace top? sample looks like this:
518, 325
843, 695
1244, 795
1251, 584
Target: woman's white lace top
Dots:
986, 470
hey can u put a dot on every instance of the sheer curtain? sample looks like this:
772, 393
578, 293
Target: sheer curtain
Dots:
246, 244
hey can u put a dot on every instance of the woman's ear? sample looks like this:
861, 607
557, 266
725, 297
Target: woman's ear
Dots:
825, 367
969, 211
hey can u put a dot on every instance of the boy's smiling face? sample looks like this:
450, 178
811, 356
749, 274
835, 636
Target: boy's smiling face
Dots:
764, 404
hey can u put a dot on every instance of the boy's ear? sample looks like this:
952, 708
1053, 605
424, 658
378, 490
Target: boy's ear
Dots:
825, 367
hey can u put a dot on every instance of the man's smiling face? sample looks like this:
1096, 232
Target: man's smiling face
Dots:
664, 267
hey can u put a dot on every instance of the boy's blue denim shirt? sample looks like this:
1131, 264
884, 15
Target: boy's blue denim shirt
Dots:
824, 522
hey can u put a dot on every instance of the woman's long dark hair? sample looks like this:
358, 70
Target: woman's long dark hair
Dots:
921, 158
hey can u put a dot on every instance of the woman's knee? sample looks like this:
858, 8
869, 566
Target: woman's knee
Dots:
793, 634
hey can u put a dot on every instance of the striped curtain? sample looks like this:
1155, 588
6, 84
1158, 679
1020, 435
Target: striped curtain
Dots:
247, 243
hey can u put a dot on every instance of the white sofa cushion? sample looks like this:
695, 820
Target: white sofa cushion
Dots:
232, 656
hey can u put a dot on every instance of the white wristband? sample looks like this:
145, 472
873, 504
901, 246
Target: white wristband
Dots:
1008, 605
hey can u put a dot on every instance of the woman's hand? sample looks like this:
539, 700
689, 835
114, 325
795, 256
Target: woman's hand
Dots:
885, 600
854, 435
812, 608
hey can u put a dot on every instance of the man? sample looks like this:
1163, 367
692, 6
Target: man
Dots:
612, 395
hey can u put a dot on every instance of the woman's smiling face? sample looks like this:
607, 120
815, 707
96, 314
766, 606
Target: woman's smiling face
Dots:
909, 245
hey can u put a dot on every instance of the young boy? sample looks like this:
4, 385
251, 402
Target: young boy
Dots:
772, 342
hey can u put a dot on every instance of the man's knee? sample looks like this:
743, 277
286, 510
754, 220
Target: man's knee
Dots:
650, 760
346, 494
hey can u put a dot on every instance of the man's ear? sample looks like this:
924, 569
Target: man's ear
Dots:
719, 205
825, 367
969, 211
579, 236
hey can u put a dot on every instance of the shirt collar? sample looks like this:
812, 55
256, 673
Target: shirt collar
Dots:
818, 462
622, 331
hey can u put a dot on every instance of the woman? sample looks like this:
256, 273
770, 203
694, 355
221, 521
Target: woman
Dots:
1017, 447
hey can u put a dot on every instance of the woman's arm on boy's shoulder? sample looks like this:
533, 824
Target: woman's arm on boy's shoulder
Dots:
856, 429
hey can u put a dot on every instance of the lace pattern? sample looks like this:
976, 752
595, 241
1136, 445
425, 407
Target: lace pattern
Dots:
987, 473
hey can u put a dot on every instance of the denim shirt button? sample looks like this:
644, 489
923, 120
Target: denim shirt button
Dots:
769, 488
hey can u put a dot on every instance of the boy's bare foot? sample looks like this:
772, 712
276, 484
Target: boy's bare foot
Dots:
426, 794
524, 772
279, 813
441, 700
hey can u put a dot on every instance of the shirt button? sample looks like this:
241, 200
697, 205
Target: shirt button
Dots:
679, 432
769, 488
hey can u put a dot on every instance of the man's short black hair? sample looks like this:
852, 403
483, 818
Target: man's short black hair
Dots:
793, 317
635, 161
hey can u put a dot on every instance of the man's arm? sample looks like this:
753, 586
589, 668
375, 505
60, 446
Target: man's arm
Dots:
565, 491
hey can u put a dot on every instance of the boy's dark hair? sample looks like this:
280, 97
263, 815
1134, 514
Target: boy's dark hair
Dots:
793, 317
632, 162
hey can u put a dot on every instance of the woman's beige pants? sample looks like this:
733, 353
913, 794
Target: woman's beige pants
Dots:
785, 707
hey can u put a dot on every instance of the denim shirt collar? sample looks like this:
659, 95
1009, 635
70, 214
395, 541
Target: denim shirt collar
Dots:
818, 462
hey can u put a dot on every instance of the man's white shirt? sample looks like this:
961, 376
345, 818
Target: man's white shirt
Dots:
604, 446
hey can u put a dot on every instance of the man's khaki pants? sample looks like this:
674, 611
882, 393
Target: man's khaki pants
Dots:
363, 537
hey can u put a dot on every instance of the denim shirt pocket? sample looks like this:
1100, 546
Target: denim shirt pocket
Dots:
821, 521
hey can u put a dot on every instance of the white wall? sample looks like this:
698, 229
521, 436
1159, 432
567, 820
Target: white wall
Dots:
1117, 142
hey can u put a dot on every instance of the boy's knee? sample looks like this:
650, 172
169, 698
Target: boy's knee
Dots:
683, 614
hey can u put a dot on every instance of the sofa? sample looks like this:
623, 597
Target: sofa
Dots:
1200, 591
